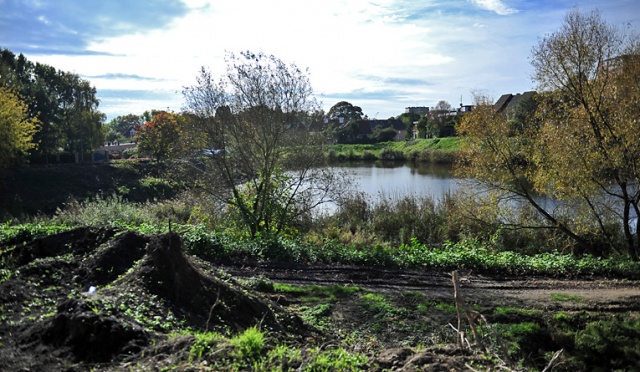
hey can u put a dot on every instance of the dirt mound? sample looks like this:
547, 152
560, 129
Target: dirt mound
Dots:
113, 258
91, 337
446, 358
138, 285
75, 241
206, 299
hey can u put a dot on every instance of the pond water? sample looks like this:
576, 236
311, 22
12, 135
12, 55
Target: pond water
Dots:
396, 179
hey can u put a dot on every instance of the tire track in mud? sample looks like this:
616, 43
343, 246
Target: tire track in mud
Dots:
537, 292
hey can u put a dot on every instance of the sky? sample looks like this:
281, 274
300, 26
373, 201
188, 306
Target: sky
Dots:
381, 55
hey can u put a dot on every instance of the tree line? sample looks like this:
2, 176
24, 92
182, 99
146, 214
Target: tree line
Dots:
59, 110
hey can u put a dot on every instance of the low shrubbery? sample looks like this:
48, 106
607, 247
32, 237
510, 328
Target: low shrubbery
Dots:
409, 232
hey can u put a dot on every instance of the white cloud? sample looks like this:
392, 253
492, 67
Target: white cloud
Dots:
381, 56
497, 6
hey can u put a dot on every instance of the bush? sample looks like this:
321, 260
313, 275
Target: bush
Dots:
611, 344
368, 155
130, 153
392, 154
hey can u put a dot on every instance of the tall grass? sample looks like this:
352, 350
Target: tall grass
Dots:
113, 210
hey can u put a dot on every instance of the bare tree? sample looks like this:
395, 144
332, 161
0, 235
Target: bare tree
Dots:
261, 158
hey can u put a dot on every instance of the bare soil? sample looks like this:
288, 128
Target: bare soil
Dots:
148, 288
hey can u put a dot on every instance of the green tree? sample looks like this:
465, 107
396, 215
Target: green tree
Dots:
266, 164
439, 120
64, 104
345, 110
580, 148
16, 128
409, 119
381, 134
116, 128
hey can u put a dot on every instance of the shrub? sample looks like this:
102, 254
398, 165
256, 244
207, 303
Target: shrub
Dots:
368, 155
391, 154
610, 344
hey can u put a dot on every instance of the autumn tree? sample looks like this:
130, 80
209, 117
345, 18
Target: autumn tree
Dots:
160, 138
16, 128
580, 147
263, 163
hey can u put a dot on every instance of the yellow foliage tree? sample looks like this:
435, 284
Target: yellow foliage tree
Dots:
580, 145
16, 128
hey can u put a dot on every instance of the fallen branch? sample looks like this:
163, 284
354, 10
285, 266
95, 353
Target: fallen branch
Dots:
553, 360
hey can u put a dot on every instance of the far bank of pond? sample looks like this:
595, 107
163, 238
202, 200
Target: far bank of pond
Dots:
432, 150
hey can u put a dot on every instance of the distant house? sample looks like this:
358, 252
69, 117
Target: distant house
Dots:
420, 110
130, 132
115, 151
508, 102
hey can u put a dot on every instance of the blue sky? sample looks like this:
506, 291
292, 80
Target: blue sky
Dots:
382, 55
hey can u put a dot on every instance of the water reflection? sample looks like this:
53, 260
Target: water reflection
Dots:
393, 179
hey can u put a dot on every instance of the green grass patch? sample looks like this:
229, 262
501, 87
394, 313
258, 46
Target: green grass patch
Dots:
506, 311
564, 297
249, 344
379, 305
316, 290
203, 344
427, 307
336, 360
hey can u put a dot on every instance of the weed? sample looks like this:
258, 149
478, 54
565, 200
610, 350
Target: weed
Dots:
249, 344
336, 360
563, 317
203, 344
316, 315
379, 305
284, 358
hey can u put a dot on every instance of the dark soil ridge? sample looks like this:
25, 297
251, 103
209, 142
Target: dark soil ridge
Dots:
50, 320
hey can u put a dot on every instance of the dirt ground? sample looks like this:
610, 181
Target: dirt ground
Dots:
146, 288
596, 293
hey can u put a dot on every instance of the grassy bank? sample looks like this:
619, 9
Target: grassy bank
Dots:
434, 150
